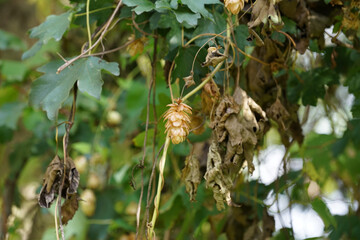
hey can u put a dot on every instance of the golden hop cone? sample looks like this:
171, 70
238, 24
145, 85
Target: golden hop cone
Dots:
178, 121
235, 6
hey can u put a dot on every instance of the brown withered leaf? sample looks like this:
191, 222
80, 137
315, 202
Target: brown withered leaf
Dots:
53, 179
238, 125
211, 88
73, 177
264, 11
51, 183
213, 57
191, 175
219, 182
210, 95
69, 208
279, 113
189, 80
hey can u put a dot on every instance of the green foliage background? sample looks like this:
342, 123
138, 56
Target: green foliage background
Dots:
118, 83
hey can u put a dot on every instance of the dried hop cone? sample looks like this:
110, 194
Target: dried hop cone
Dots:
178, 121
235, 6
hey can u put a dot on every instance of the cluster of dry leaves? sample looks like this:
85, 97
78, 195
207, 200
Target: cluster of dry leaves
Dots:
61, 180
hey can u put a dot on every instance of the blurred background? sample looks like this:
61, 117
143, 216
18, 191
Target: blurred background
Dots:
299, 192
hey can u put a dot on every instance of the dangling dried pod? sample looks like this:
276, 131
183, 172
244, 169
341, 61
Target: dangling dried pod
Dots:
178, 121
213, 58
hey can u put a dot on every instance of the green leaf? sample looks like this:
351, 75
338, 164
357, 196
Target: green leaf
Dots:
182, 67
354, 84
347, 228
320, 207
284, 234
310, 85
162, 5
199, 6
10, 113
13, 71
53, 27
51, 90
6, 135
278, 37
33, 50
355, 110
183, 16
289, 25
186, 17
139, 139
141, 5
9, 41
241, 34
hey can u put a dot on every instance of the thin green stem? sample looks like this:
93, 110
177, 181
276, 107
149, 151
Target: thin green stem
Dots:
159, 188
88, 23
94, 11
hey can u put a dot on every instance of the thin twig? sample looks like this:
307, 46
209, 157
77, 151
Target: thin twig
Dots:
88, 23
65, 146
94, 11
66, 64
154, 157
137, 26
138, 212
112, 50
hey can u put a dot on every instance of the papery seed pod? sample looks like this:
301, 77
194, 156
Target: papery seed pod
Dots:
213, 58
178, 121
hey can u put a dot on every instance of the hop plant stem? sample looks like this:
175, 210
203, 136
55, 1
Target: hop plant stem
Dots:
159, 188
203, 82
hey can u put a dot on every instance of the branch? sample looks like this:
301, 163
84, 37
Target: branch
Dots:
68, 63
208, 77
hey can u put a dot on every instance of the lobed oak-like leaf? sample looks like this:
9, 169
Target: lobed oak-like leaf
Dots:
54, 27
51, 90
199, 6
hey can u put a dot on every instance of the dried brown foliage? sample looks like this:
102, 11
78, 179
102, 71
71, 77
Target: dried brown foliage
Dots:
54, 178
191, 176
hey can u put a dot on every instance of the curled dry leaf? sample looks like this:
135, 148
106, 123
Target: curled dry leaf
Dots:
213, 57
189, 80
191, 176
235, 6
238, 125
53, 179
264, 11
219, 182
178, 121
210, 95
69, 208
